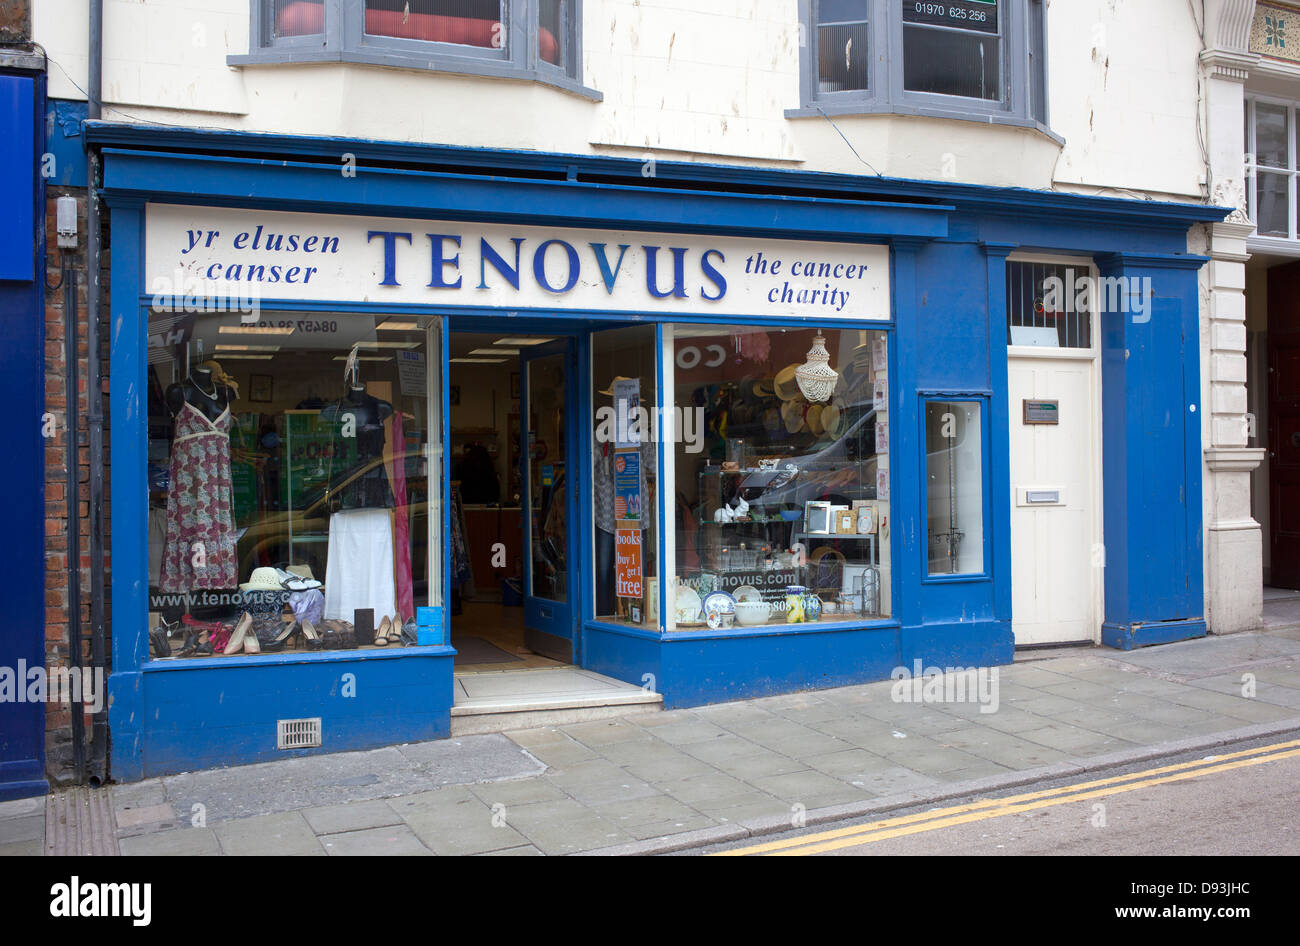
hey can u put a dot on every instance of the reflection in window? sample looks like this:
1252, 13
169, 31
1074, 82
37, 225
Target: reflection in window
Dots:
288, 483
460, 22
782, 501
624, 478
954, 487
842, 36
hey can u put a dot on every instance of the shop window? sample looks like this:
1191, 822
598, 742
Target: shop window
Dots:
526, 38
625, 476
781, 480
1049, 305
954, 487
293, 497
1271, 167
959, 58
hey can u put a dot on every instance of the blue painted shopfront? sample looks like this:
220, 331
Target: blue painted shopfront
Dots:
22, 363
948, 249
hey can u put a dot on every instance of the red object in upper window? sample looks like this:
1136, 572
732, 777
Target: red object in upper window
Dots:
306, 18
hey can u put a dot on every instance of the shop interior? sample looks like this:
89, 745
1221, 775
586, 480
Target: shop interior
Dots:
488, 503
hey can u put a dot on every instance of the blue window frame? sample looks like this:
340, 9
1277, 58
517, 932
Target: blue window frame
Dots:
955, 498
526, 39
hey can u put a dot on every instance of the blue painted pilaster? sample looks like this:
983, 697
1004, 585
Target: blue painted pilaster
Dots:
1151, 433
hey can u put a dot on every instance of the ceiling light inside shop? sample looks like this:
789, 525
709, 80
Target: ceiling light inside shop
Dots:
477, 361
247, 348
255, 330
816, 377
365, 358
247, 357
495, 351
522, 341
392, 325
386, 345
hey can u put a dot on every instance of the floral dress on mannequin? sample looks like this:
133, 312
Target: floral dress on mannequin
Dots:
199, 552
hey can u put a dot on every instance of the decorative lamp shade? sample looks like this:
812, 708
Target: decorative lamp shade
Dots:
815, 376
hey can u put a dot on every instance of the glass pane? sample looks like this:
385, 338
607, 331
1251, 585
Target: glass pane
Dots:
552, 29
547, 497
1271, 204
1270, 135
283, 18
281, 488
462, 22
841, 45
946, 62
625, 476
1049, 305
954, 487
783, 500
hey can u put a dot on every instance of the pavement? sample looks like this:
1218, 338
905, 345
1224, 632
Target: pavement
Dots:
657, 782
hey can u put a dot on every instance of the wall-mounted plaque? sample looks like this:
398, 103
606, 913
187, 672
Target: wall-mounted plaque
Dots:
1042, 412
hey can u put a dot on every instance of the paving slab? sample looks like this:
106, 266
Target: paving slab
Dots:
387, 841
287, 833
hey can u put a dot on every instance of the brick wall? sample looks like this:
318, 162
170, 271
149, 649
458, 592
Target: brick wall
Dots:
58, 720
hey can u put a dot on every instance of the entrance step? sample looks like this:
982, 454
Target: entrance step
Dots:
525, 699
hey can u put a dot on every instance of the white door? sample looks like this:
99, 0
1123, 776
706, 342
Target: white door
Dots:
1055, 572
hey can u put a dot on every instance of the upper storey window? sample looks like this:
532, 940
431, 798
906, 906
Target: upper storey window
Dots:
981, 59
532, 39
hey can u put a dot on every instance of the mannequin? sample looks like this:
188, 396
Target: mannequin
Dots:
359, 568
201, 390
199, 548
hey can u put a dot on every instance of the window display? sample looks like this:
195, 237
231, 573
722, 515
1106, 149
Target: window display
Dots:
625, 476
783, 501
954, 487
289, 483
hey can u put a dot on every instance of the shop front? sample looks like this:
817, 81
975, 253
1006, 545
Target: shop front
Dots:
720, 434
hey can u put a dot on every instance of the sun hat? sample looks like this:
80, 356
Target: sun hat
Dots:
831, 420
792, 415
785, 385
609, 391
262, 579
762, 389
814, 419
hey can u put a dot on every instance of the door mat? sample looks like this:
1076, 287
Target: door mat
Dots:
475, 650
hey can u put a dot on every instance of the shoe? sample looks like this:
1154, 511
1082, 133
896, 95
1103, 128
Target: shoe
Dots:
381, 633
395, 629
280, 640
159, 646
237, 637
291, 582
311, 639
251, 644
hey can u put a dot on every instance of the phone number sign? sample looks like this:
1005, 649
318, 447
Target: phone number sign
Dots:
981, 15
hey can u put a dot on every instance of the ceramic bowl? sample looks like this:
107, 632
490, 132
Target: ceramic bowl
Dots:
752, 613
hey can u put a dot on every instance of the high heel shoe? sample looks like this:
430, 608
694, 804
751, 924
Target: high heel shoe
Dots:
280, 640
239, 635
395, 629
311, 639
251, 644
381, 633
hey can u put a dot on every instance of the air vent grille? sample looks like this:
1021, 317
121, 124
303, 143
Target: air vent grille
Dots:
297, 733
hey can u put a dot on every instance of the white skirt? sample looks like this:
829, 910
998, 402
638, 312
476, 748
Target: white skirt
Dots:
359, 572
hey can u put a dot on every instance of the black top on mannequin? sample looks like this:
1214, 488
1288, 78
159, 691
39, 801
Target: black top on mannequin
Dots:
201, 391
358, 441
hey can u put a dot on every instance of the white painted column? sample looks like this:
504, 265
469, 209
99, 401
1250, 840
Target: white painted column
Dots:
1233, 542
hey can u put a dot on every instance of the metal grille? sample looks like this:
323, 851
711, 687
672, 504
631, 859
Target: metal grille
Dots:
1043, 298
297, 733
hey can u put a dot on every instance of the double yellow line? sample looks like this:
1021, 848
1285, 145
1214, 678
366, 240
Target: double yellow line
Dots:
998, 807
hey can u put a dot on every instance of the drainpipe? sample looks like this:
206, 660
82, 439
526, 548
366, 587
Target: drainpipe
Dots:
95, 401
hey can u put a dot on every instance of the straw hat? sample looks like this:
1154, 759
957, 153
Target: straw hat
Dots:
262, 579
762, 389
792, 415
785, 385
814, 419
609, 392
831, 420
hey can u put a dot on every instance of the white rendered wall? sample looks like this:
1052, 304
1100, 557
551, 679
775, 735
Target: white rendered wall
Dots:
705, 81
